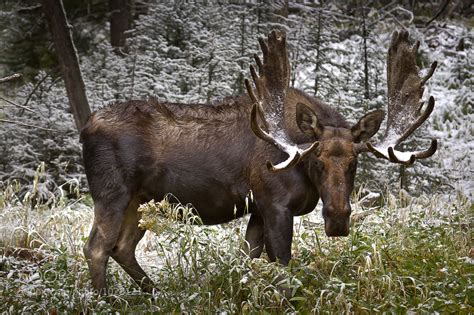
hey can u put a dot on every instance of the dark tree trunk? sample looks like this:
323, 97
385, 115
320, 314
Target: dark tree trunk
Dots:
366, 57
120, 19
403, 178
210, 77
240, 79
68, 60
318, 55
294, 63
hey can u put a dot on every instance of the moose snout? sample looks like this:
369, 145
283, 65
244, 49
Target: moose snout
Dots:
337, 222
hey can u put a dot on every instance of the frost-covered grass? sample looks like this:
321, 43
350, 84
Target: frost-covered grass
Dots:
408, 254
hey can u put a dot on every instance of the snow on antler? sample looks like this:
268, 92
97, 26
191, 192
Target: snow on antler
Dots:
405, 109
272, 84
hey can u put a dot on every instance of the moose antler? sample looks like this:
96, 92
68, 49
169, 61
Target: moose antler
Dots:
405, 90
272, 84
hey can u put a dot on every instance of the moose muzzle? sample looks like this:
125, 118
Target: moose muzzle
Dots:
337, 222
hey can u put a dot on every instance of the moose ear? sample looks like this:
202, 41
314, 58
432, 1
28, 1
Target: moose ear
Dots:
367, 126
307, 121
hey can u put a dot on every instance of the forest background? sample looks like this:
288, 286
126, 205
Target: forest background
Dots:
199, 51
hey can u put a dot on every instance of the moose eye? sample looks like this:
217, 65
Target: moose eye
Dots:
319, 164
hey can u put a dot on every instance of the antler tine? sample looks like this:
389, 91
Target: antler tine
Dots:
271, 87
428, 152
264, 47
294, 157
421, 119
415, 48
254, 99
259, 132
430, 73
250, 91
392, 153
256, 78
295, 154
405, 89
259, 64
393, 158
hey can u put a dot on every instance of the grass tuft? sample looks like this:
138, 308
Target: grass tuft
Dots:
408, 255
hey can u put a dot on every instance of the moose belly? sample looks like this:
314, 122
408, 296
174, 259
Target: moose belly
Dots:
216, 197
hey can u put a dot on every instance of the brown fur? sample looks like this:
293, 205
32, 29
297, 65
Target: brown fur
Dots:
207, 155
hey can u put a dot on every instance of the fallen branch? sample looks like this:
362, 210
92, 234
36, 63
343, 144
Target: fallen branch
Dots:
24, 125
10, 78
17, 105
29, 9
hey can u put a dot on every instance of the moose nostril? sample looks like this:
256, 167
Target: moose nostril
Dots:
338, 226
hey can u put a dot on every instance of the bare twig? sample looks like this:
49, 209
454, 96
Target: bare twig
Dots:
16, 105
407, 12
51, 85
10, 78
390, 12
24, 125
396, 20
34, 90
29, 9
441, 10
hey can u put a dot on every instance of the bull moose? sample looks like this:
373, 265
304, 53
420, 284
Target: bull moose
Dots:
213, 155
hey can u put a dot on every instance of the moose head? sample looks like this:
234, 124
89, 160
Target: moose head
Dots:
330, 156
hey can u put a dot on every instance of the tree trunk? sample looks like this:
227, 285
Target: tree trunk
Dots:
210, 77
366, 57
318, 55
240, 79
403, 178
120, 18
68, 60
294, 63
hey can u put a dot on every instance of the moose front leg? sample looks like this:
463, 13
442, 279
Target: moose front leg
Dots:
254, 236
278, 233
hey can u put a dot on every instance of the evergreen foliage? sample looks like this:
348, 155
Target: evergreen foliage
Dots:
405, 254
189, 52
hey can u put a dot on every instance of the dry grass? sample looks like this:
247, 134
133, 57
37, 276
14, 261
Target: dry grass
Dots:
411, 254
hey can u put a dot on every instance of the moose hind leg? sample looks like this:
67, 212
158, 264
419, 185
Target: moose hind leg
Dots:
105, 231
124, 251
254, 237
